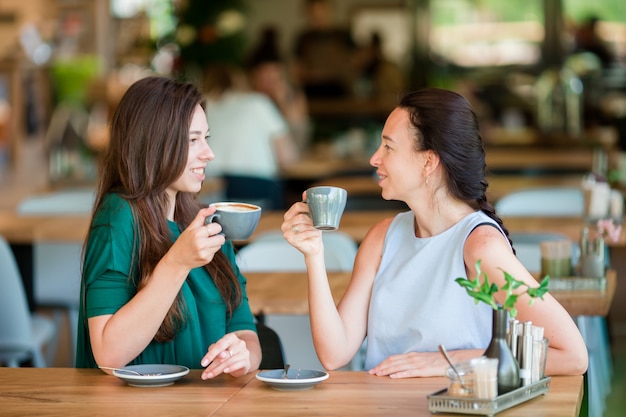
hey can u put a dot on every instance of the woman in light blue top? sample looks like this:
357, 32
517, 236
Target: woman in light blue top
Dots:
403, 296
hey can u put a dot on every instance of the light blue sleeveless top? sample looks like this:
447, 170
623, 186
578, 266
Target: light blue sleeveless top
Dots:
416, 305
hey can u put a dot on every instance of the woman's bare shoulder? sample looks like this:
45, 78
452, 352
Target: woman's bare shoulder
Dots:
379, 230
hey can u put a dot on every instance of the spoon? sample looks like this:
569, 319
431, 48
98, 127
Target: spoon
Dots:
287, 371
444, 352
129, 371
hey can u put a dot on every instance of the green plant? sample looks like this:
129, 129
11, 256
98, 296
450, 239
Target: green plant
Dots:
485, 291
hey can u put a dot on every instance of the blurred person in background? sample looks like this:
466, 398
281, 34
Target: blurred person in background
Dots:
269, 74
323, 54
378, 77
587, 39
250, 137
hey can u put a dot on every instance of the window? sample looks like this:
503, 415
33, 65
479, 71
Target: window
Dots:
486, 33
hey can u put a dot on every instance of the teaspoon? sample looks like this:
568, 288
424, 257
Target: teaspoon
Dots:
128, 371
444, 352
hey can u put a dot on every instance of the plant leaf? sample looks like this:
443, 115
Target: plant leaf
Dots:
484, 291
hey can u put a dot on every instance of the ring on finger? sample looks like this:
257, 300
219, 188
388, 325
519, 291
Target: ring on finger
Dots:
230, 352
295, 229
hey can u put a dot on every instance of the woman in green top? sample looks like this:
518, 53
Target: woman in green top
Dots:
160, 286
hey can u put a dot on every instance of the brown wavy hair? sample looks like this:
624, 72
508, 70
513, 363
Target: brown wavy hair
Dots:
147, 152
443, 122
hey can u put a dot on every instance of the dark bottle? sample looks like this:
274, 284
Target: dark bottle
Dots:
508, 368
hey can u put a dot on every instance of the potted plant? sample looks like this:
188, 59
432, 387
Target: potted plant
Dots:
482, 290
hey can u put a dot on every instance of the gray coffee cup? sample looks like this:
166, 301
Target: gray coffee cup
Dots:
238, 220
326, 205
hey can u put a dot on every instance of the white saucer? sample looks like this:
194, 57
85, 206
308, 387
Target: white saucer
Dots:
157, 375
298, 379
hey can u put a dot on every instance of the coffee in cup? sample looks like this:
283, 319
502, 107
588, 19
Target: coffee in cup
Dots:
238, 220
326, 205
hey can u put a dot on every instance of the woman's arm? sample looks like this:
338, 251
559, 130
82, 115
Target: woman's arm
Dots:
118, 338
567, 353
338, 331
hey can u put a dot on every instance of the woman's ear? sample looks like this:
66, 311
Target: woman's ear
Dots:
431, 162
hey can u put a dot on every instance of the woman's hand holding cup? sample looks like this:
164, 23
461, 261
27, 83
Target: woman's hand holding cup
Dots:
199, 242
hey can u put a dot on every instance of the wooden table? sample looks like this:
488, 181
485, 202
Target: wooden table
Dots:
79, 392
29, 229
23, 231
287, 293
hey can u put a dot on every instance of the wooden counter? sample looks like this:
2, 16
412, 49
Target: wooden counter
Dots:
287, 293
524, 158
499, 185
500, 160
73, 392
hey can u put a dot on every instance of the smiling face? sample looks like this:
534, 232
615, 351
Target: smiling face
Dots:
198, 155
400, 168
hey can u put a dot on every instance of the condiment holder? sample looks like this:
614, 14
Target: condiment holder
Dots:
441, 402
473, 384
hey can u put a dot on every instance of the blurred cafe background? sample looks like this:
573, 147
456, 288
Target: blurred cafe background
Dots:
547, 79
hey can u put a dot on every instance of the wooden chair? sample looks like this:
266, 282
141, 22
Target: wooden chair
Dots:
271, 347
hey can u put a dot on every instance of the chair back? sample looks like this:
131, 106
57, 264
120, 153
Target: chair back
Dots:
272, 353
271, 252
59, 203
543, 201
16, 335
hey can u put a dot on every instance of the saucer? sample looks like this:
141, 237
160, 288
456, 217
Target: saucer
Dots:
298, 379
157, 375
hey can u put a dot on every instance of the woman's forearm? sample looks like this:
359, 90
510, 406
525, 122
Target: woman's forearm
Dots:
328, 330
119, 338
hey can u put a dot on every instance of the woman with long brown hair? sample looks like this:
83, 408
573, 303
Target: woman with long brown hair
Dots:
160, 286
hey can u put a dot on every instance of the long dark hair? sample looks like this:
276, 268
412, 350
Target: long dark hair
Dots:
147, 152
443, 122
